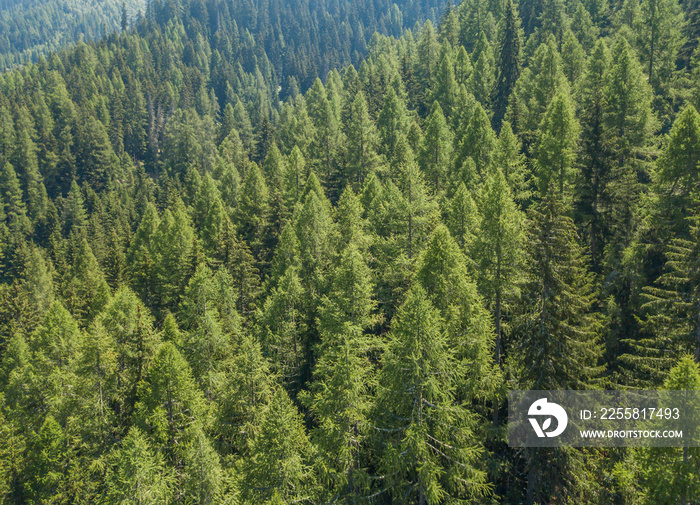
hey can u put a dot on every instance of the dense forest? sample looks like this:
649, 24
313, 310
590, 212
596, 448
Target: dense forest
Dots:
30, 28
272, 252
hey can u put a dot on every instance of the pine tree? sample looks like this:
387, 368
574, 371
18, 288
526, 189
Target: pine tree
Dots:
428, 448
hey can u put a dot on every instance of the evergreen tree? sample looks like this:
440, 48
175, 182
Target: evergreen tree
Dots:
253, 210
279, 467
671, 310
14, 210
391, 123
591, 194
362, 143
138, 474
139, 256
559, 332
484, 75
436, 148
84, 289
670, 473
429, 453
511, 161
462, 218
172, 248
677, 174
499, 251
343, 367
659, 28
557, 147
478, 143
508, 62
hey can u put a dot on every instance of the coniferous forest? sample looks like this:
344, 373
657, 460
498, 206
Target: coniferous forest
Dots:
291, 252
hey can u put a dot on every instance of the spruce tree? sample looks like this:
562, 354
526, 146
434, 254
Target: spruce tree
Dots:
671, 313
591, 194
508, 65
558, 333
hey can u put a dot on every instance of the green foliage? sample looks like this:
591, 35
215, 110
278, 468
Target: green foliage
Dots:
429, 452
558, 345
334, 270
